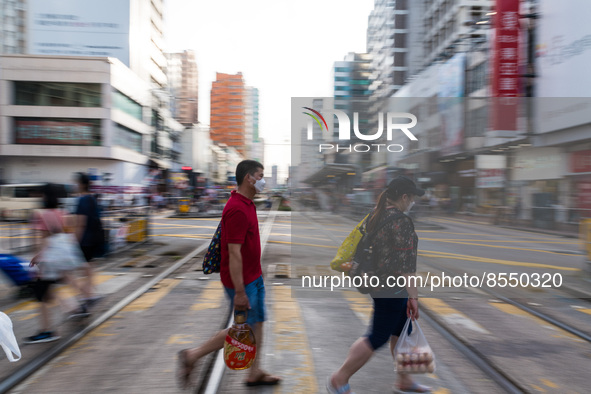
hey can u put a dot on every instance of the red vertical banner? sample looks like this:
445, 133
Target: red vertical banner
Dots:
505, 67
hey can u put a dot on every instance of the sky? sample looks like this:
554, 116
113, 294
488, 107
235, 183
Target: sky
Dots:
284, 48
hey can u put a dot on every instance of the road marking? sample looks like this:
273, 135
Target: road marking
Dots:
211, 297
549, 383
513, 310
151, 298
183, 236
587, 311
486, 235
538, 388
179, 339
436, 254
291, 343
504, 247
452, 316
360, 304
500, 240
301, 244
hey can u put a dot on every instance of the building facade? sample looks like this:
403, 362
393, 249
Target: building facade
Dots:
12, 26
228, 117
183, 84
61, 115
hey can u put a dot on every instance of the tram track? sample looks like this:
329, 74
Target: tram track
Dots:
28, 369
508, 380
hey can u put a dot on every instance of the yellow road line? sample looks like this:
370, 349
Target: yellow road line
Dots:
291, 343
587, 311
211, 297
183, 236
360, 304
485, 235
148, 300
182, 226
549, 383
504, 247
301, 244
501, 240
435, 254
513, 310
452, 316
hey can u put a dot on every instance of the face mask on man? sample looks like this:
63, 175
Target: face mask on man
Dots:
259, 185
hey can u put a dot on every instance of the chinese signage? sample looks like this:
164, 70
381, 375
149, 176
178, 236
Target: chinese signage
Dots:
505, 66
54, 132
490, 178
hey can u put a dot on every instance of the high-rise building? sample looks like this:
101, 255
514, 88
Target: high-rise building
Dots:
387, 42
12, 26
252, 139
352, 78
129, 30
227, 118
448, 25
183, 85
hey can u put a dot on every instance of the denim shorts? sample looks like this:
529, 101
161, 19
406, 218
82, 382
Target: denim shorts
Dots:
255, 291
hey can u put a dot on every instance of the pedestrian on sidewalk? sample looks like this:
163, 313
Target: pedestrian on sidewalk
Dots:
50, 221
89, 231
240, 272
395, 245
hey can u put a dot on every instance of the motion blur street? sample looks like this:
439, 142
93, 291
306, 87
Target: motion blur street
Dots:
310, 329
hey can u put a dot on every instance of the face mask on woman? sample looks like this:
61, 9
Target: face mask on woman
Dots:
410, 205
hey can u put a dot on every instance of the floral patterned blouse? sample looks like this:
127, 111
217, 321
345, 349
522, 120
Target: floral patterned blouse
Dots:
396, 246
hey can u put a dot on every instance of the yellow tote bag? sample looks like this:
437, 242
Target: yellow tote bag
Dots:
342, 261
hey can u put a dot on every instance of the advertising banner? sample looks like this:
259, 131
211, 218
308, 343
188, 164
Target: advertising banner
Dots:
79, 28
505, 68
48, 132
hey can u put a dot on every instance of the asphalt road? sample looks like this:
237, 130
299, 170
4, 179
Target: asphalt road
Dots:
310, 328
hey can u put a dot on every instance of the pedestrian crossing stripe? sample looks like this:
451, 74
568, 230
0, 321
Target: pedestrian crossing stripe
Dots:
211, 297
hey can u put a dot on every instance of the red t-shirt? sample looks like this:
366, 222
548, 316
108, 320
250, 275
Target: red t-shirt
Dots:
240, 225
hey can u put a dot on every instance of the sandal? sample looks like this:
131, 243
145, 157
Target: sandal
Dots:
337, 390
413, 388
264, 380
184, 370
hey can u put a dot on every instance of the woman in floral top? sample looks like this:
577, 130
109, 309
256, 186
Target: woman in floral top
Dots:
396, 245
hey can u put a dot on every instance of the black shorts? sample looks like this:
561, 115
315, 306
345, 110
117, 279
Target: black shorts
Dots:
41, 288
90, 252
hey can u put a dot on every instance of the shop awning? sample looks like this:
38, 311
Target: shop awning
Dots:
321, 176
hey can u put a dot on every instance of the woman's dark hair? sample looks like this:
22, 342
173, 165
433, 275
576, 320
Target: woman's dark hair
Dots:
84, 180
50, 196
378, 213
246, 167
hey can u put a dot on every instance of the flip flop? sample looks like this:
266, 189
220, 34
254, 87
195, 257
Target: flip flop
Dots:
337, 390
414, 388
264, 380
184, 370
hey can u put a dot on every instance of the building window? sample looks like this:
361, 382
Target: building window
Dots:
57, 131
57, 94
127, 105
128, 138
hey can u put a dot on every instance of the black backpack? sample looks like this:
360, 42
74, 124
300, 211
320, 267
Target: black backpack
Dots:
363, 265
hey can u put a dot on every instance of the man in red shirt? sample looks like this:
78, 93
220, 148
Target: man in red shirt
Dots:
240, 271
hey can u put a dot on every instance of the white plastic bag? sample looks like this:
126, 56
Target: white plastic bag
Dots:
61, 253
412, 352
7, 339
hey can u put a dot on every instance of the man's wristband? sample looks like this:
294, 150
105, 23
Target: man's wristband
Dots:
413, 298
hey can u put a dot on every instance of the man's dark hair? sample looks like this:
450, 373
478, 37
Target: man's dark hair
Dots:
246, 167
84, 180
50, 196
